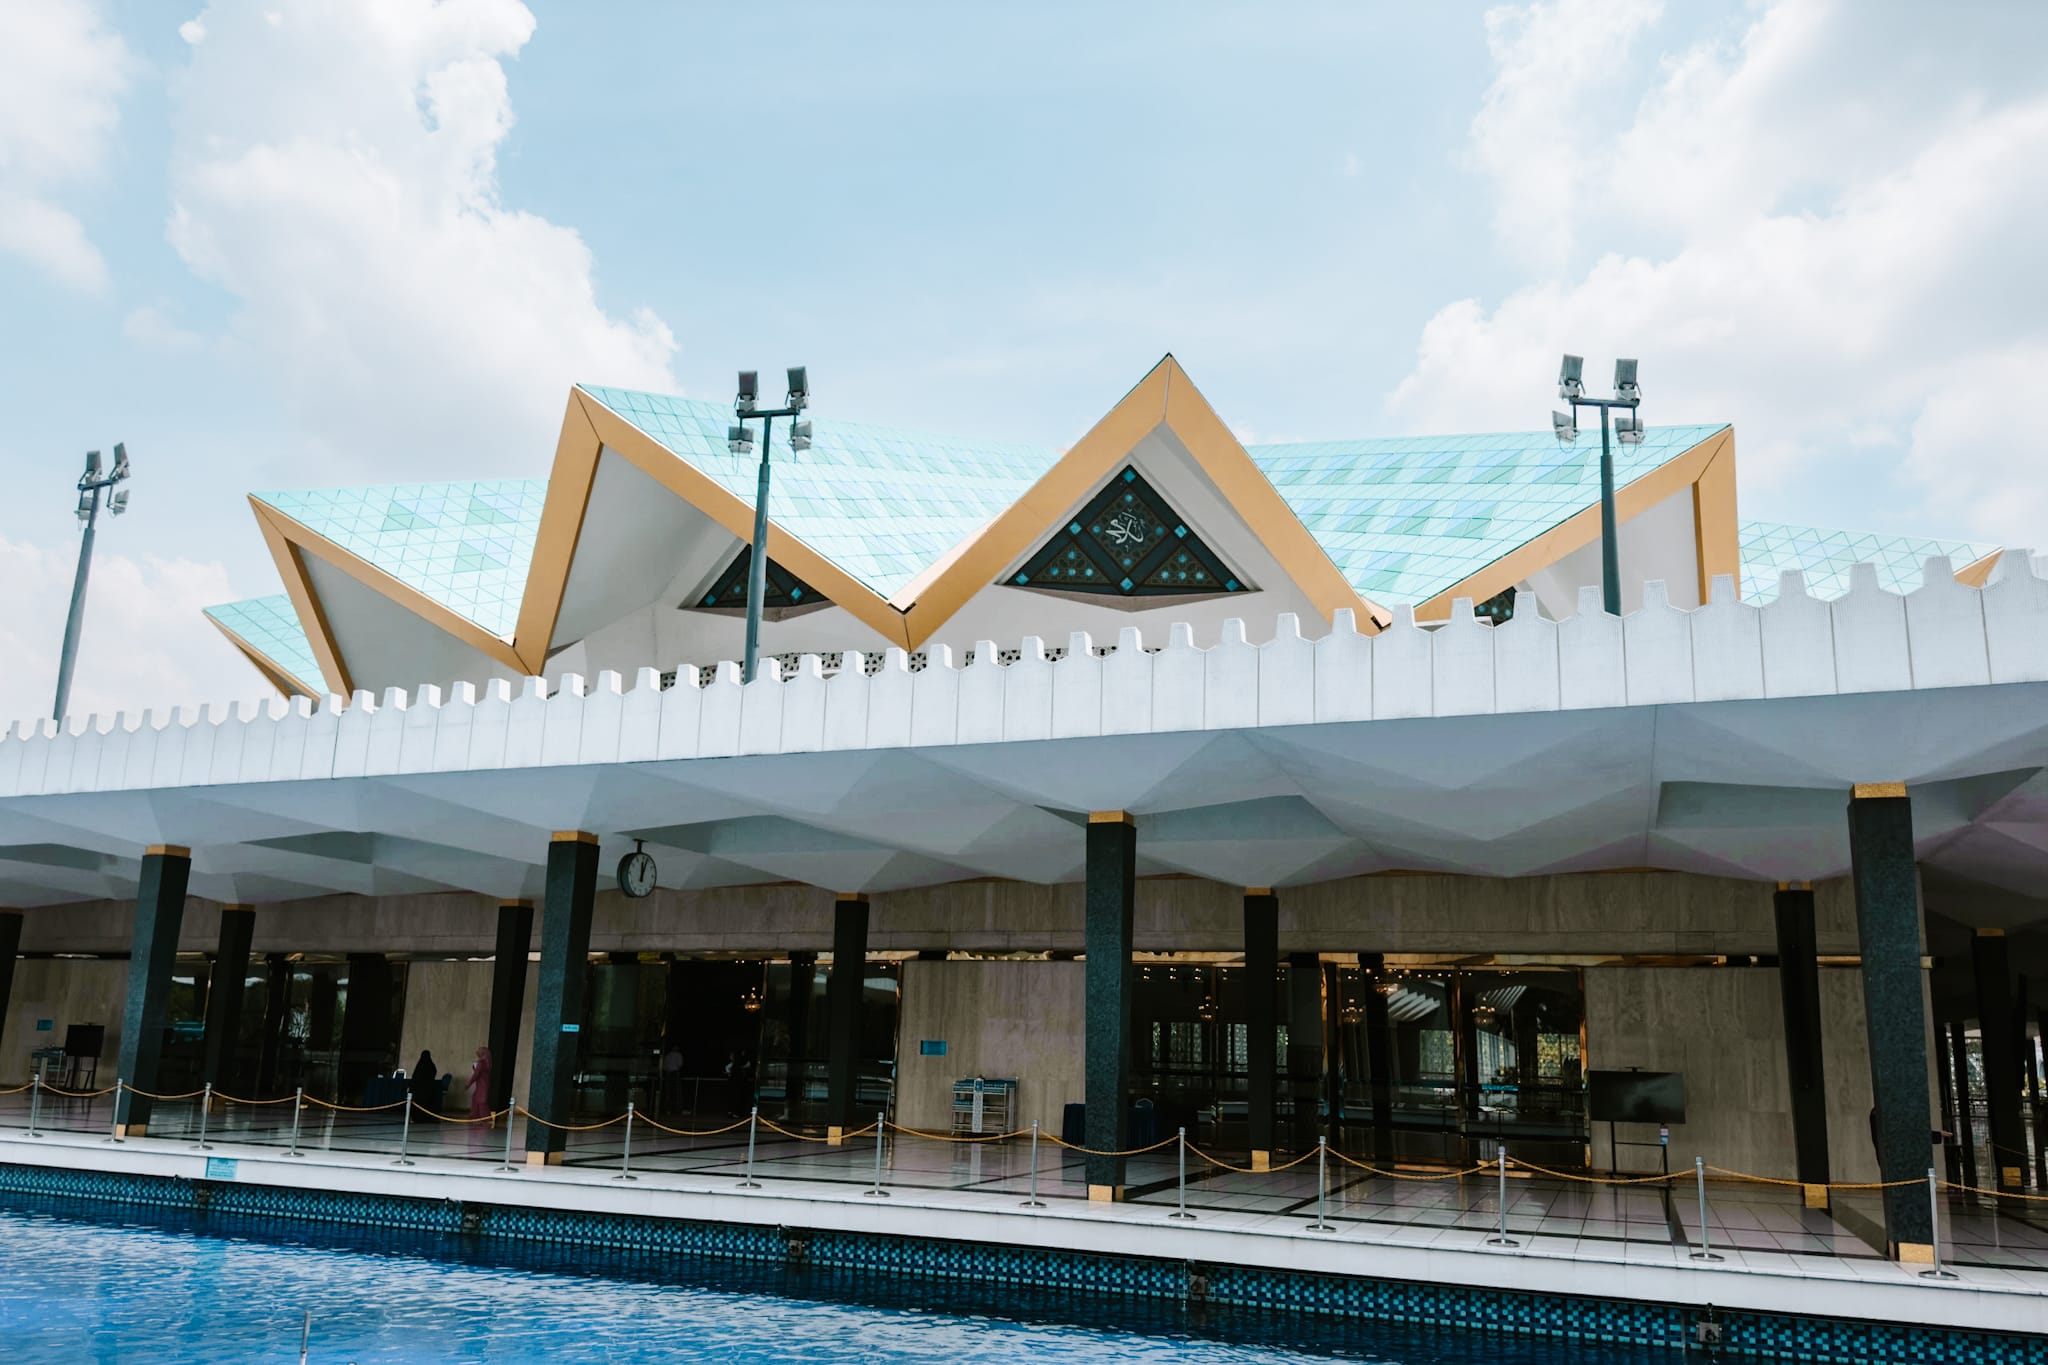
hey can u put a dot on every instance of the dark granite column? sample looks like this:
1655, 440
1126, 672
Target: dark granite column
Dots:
843, 989
558, 1002
277, 989
508, 996
796, 1022
2001, 1068
224, 998
1304, 1048
1966, 1119
10, 945
369, 1034
1894, 1005
1379, 1053
1112, 888
159, 911
1799, 989
1262, 985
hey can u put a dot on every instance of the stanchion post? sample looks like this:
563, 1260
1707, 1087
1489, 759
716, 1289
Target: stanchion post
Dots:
115, 1135
753, 1122
1182, 1211
1706, 1251
205, 1109
35, 1101
511, 1122
1500, 1238
298, 1105
1322, 1223
878, 1192
405, 1136
1034, 1202
626, 1152
1934, 1230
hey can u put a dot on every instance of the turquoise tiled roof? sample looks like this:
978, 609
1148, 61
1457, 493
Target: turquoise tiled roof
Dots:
882, 504
1768, 547
466, 545
1404, 518
271, 627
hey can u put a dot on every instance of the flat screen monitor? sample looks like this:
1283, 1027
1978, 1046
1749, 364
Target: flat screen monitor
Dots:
84, 1040
1635, 1096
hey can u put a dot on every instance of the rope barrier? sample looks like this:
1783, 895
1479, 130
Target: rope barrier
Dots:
1090, 1151
490, 1118
1597, 1179
532, 1117
689, 1132
236, 1099
358, 1108
1831, 1185
1995, 1194
1248, 1170
152, 1095
774, 1127
77, 1094
18, 1089
1406, 1175
969, 1139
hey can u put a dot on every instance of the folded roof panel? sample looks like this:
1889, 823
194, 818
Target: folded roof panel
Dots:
271, 627
1825, 556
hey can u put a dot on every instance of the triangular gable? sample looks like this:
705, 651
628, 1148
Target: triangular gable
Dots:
1166, 399
781, 589
1129, 541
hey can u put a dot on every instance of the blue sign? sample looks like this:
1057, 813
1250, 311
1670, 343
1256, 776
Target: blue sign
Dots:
46, 1025
572, 1028
221, 1167
931, 1047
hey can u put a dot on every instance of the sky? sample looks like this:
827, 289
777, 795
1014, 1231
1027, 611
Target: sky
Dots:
301, 243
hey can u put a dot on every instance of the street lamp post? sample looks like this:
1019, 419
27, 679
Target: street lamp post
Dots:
91, 484
1628, 429
741, 442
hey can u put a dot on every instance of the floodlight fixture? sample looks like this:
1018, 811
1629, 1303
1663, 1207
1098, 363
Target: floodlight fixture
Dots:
120, 461
118, 503
85, 505
799, 389
1629, 429
750, 387
1625, 386
1566, 426
1571, 378
740, 439
800, 436
92, 467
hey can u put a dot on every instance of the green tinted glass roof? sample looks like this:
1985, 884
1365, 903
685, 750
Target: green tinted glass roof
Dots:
1404, 518
466, 545
882, 504
1769, 547
270, 626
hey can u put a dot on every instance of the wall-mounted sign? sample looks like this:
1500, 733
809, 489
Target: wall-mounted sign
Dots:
221, 1167
572, 1028
46, 1025
931, 1047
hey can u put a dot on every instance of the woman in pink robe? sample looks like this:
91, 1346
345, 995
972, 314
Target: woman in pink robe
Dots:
480, 1085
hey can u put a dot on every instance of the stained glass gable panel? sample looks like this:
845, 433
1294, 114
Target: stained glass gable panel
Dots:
780, 587
1127, 542
270, 626
1826, 557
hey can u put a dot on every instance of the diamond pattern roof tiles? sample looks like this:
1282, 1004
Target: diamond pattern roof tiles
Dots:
1769, 547
880, 503
271, 627
466, 545
1405, 517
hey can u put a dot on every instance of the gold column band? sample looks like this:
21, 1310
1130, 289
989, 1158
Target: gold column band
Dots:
852, 897
1110, 817
1258, 890
1864, 791
1991, 933
572, 836
1795, 886
167, 851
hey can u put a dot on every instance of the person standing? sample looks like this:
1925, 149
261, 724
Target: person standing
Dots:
480, 1085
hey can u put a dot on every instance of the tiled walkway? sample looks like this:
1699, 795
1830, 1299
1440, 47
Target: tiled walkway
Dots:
1545, 1213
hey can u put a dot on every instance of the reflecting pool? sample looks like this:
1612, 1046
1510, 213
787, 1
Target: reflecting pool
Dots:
171, 1288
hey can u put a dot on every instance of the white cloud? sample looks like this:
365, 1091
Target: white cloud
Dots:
62, 73
193, 31
1831, 259
144, 643
336, 172
151, 327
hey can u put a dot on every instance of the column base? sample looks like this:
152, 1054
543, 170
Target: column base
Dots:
835, 1136
1262, 1161
544, 1158
2010, 1180
1816, 1196
129, 1130
1105, 1194
1913, 1253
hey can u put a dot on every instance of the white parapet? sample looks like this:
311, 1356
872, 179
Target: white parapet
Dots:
1944, 634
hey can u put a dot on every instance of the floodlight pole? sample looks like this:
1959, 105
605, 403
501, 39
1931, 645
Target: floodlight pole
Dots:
1610, 552
757, 560
91, 484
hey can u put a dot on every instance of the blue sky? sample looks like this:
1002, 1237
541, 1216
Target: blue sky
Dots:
276, 244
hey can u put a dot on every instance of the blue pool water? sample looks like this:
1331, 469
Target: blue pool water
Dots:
168, 1290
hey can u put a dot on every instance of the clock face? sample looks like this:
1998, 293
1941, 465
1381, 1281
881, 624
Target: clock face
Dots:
636, 874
